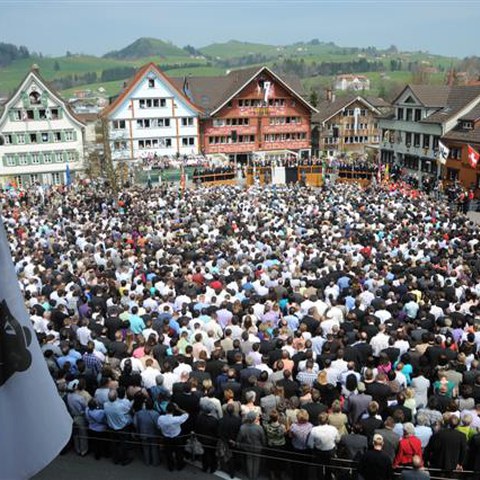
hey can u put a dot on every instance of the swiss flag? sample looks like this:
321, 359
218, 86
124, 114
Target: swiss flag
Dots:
473, 157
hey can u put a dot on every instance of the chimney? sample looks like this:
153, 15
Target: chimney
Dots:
329, 96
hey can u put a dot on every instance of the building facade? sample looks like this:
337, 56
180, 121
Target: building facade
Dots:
352, 82
347, 124
252, 114
422, 115
458, 167
151, 118
39, 136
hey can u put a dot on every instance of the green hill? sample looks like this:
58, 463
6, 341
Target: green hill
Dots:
147, 47
235, 49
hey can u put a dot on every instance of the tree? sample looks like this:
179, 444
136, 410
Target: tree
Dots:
313, 98
56, 66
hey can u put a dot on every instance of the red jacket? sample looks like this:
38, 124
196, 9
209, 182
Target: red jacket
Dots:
407, 448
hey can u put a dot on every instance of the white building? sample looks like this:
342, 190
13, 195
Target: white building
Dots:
352, 82
39, 136
151, 118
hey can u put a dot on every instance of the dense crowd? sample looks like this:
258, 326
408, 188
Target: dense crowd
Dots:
297, 326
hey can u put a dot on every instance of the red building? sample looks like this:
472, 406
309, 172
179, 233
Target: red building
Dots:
251, 114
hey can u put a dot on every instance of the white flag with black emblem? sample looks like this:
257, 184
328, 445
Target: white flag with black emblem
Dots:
443, 152
35, 424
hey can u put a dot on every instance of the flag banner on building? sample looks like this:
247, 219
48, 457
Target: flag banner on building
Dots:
443, 153
279, 176
68, 176
35, 424
473, 157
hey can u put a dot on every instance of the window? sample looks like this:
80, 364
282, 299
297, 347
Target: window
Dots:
416, 139
7, 139
33, 178
452, 174
409, 112
45, 137
57, 136
188, 141
33, 138
187, 121
47, 158
42, 114
10, 161
22, 160
418, 114
35, 159
143, 123
168, 142
72, 157
54, 113
163, 122
218, 122
467, 125
30, 115
59, 157
120, 145
17, 115
34, 98
435, 142
118, 124
151, 83
408, 139
399, 113
56, 178
426, 141
69, 135
456, 153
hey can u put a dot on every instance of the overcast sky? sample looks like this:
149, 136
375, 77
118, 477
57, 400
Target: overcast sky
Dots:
52, 27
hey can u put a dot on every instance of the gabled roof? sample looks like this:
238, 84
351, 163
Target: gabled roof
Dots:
447, 99
327, 109
213, 93
35, 74
138, 77
473, 115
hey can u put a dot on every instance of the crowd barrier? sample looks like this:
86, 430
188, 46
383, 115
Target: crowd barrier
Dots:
342, 468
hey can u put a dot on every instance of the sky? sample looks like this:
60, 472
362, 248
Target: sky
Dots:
52, 27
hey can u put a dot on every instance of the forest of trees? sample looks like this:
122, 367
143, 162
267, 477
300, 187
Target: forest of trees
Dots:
9, 53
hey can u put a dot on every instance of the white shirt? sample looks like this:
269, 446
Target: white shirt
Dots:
149, 376
323, 437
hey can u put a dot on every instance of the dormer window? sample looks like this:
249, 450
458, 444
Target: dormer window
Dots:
467, 125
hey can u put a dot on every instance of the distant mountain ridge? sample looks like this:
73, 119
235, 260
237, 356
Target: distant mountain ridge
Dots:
147, 47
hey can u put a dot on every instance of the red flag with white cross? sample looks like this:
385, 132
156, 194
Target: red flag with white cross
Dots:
473, 157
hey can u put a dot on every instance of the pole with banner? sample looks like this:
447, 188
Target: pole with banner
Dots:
35, 424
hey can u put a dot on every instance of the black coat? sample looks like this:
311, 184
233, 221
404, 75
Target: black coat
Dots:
447, 449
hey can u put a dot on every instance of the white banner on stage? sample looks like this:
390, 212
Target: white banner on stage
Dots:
278, 176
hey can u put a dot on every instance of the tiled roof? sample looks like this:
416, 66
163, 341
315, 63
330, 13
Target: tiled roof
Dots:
473, 114
327, 109
133, 82
460, 135
210, 93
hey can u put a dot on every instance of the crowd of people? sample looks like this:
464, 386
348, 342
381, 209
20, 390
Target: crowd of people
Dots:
211, 174
290, 328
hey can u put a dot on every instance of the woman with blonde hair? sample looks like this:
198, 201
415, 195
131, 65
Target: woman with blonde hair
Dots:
229, 397
338, 419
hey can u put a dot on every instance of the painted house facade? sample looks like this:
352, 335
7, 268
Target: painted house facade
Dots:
422, 115
39, 136
251, 114
151, 118
347, 124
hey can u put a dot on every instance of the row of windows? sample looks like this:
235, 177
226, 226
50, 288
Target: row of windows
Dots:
20, 115
225, 139
153, 123
360, 126
285, 120
221, 122
285, 137
38, 137
39, 158
357, 139
152, 102
409, 114
54, 178
149, 143
255, 102
350, 112
411, 139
